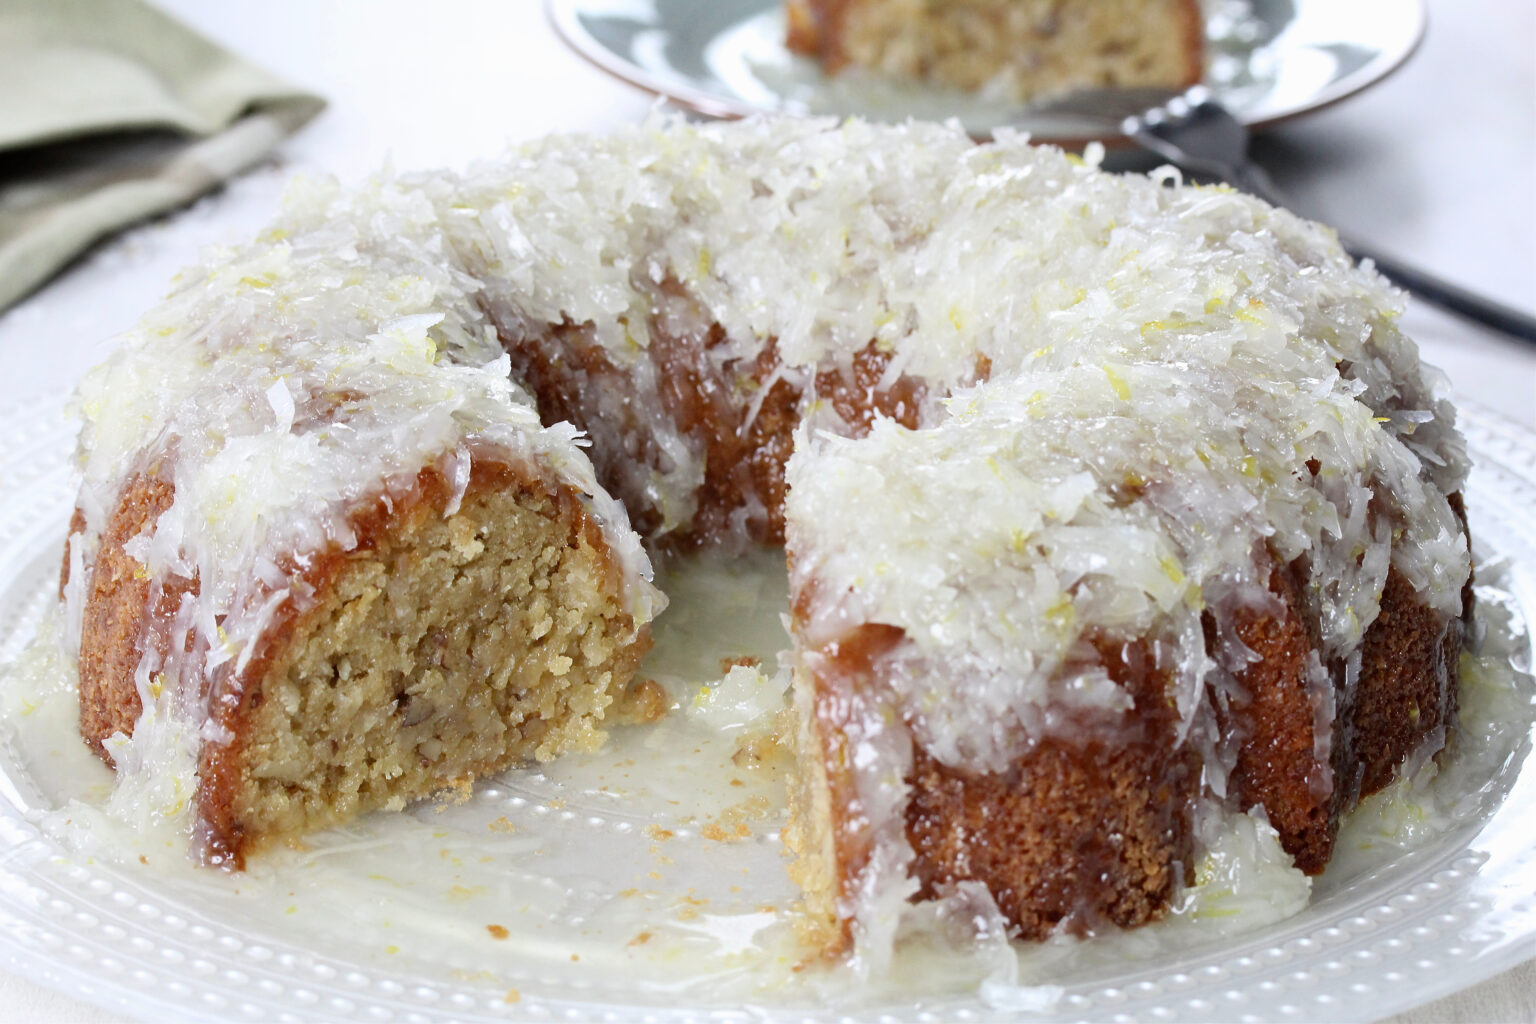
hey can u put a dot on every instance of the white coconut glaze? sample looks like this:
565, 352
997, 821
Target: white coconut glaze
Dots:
823, 237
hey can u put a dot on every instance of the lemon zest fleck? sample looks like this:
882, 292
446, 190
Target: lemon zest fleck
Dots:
1122, 389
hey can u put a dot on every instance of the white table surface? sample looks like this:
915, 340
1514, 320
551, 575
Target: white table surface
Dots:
1438, 164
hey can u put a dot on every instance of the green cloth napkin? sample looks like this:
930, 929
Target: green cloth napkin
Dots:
111, 112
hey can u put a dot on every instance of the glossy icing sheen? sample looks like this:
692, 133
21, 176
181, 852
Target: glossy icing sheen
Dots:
1122, 387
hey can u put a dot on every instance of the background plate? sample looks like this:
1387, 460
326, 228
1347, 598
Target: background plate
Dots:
1268, 60
397, 919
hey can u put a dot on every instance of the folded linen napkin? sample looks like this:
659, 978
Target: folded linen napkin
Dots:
111, 112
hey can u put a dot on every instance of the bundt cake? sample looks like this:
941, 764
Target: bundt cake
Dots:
1112, 505
1019, 49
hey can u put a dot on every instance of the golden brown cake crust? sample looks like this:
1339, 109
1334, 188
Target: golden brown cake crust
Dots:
1272, 717
1075, 833
121, 614
1408, 688
815, 29
1406, 692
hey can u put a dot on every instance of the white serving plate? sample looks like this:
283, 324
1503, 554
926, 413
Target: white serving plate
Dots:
1267, 61
640, 883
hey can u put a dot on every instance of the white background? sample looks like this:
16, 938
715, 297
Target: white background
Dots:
1436, 164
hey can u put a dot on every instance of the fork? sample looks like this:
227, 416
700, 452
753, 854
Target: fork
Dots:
1194, 131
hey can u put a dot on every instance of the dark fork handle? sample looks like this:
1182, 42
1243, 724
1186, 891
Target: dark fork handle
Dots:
1426, 286
1250, 177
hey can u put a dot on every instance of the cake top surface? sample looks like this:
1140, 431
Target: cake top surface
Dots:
1089, 328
